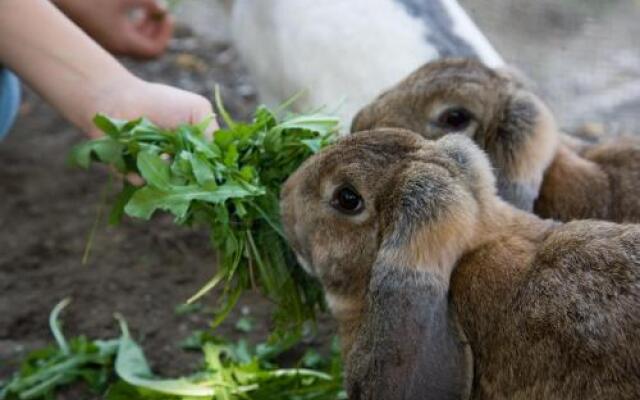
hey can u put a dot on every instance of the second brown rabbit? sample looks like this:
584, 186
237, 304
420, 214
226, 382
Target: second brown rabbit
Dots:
444, 291
537, 168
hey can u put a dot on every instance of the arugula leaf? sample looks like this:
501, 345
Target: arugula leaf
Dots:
177, 199
46, 369
132, 367
117, 210
154, 171
231, 371
244, 324
202, 171
103, 149
56, 330
110, 126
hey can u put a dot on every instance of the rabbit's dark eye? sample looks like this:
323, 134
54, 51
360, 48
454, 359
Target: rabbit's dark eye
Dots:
347, 200
455, 119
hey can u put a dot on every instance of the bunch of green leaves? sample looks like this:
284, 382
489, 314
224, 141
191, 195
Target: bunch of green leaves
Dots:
230, 184
46, 369
231, 370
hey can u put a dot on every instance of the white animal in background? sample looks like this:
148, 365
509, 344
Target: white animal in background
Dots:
343, 53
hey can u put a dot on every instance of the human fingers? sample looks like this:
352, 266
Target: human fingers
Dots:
149, 38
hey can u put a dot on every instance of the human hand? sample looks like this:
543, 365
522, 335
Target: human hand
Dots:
164, 105
136, 28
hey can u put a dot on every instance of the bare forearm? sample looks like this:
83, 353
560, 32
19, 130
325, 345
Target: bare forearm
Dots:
78, 77
56, 58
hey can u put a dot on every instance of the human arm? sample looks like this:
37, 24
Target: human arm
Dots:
137, 28
78, 77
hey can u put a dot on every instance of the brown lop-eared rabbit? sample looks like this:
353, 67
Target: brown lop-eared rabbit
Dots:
538, 169
442, 290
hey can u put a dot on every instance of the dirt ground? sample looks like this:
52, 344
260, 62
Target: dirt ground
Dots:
142, 270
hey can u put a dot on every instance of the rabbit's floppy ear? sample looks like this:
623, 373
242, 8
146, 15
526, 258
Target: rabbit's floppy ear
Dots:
516, 76
519, 194
409, 346
518, 181
524, 144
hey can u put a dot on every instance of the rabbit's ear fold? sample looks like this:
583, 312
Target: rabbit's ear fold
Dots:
358, 122
464, 151
516, 76
470, 158
519, 194
409, 346
528, 142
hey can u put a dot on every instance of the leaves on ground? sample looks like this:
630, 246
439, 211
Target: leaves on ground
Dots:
79, 359
230, 371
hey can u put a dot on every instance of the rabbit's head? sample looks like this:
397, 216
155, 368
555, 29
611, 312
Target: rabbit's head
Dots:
381, 218
493, 107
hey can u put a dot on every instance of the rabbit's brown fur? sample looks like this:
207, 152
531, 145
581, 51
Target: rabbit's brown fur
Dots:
436, 262
538, 169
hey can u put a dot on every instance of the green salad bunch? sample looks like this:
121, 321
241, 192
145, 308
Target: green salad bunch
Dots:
229, 184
